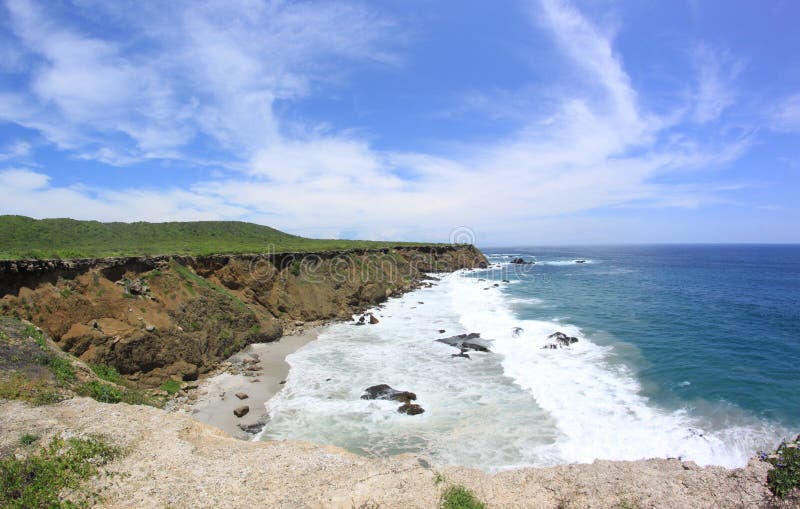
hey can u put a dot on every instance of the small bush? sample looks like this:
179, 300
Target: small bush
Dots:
27, 439
61, 368
171, 387
459, 497
105, 393
39, 479
785, 477
107, 373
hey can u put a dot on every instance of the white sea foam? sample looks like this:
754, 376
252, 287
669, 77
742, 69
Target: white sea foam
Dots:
518, 405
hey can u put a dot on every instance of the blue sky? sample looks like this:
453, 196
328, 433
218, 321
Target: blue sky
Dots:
522, 122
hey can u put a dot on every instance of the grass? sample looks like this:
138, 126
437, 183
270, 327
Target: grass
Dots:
22, 387
107, 373
785, 477
39, 480
459, 497
24, 237
194, 279
107, 393
171, 387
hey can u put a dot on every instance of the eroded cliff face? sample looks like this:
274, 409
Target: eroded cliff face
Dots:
176, 317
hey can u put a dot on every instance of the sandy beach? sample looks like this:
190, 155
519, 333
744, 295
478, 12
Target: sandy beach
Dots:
265, 367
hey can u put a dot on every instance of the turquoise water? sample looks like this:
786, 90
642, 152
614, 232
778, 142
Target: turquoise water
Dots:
683, 351
709, 325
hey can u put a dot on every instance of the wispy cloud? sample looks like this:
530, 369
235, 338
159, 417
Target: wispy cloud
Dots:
215, 71
786, 116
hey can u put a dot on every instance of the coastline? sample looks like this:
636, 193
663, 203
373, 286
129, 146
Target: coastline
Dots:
214, 399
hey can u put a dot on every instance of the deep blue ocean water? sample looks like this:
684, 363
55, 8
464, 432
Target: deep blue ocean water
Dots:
710, 324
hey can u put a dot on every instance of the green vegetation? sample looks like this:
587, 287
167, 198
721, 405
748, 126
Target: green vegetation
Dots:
59, 366
171, 387
107, 393
107, 373
785, 477
191, 278
28, 439
23, 237
459, 497
39, 479
22, 387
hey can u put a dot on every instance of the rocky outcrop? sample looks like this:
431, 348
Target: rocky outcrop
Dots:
162, 317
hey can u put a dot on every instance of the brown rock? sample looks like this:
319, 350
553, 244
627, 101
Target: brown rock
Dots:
241, 411
242, 395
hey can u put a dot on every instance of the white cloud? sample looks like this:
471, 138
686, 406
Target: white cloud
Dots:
596, 147
212, 68
14, 180
15, 150
716, 71
786, 117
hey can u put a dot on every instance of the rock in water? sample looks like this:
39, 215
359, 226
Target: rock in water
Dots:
411, 409
516, 331
466, 342
241, 411
562, 339
373, 319
384, 391
242, 395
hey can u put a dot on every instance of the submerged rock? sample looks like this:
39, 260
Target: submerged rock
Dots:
466, 342
384, 391
516, 331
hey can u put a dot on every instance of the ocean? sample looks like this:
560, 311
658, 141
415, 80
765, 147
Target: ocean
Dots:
690, 352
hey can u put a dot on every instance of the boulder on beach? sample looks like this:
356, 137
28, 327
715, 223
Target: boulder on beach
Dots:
466, 342
384, 391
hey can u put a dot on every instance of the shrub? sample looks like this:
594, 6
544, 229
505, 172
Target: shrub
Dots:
459, 497
39, 479
107, 373
28, 439
105, 393
785, 477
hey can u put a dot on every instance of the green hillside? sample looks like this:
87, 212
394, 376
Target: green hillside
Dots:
23, 237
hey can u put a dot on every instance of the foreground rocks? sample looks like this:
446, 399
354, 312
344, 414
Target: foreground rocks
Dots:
173, 461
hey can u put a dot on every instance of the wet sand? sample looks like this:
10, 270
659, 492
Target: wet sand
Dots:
217, 399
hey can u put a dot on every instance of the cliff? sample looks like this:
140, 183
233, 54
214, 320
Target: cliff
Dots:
175, 317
